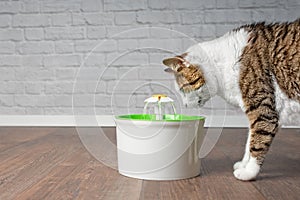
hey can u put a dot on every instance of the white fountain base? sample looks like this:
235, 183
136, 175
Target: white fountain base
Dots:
159, 150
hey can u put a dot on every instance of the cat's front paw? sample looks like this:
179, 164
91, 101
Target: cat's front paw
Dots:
248, 172
244, 174
239, 165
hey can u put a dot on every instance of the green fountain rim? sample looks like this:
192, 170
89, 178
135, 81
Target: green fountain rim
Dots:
167, 117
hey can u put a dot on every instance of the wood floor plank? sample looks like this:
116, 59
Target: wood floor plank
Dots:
52, 163
151, 190
15, 158
123, 188
92, 180
13, 136
35, 167
83, 177
55, 183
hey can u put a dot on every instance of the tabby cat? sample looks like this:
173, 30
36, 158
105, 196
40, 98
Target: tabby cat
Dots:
255, 67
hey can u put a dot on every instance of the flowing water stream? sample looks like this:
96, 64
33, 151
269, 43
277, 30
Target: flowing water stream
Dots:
159, 109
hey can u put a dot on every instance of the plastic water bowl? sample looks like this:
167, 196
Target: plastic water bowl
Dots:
164, 149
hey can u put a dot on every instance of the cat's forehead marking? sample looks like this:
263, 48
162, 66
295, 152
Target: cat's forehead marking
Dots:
190, 78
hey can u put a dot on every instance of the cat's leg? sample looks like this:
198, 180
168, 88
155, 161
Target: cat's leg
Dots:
244, 161
258, 94
247, 169
264, 126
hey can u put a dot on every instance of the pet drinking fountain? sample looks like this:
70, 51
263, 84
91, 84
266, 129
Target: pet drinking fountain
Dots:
159, 144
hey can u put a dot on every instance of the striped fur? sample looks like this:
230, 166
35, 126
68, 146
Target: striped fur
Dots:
272, 54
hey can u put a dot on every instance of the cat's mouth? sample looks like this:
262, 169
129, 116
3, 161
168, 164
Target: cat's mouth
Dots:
199, 102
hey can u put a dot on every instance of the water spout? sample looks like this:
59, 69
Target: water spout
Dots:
159, 115
159, 103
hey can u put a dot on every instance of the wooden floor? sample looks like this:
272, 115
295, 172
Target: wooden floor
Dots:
52, 163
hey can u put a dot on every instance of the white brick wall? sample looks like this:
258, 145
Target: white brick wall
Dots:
43, 44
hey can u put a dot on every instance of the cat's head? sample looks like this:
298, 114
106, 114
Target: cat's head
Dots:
191, 83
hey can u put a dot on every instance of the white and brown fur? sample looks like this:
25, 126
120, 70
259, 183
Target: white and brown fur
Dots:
255, 67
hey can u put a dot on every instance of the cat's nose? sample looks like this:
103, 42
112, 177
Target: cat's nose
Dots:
200, 101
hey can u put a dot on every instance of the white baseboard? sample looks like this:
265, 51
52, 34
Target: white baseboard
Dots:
107, 121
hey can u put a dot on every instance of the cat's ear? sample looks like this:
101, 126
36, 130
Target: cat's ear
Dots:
173, 63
